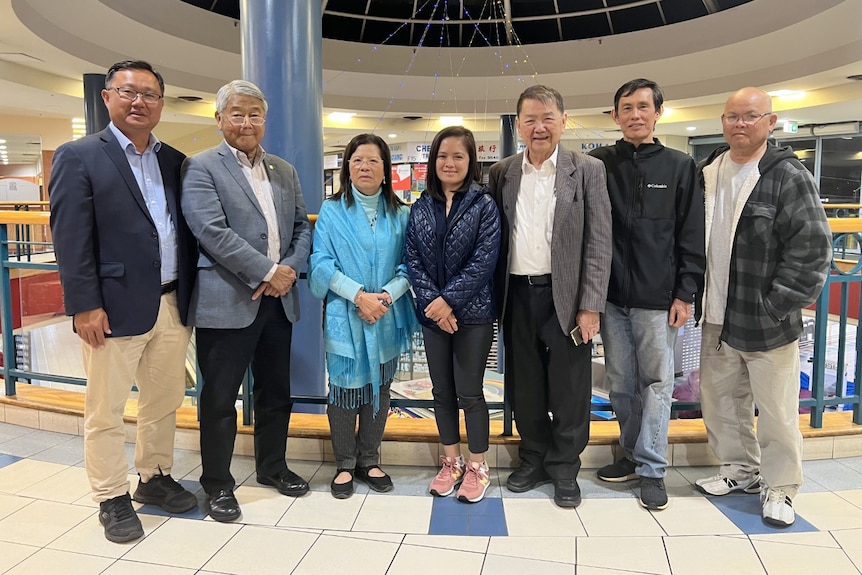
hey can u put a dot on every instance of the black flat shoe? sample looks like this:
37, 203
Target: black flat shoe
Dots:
223, 505
341, 490
567, 493
381, 484
286, 482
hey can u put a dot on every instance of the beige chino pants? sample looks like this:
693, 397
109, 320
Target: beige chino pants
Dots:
731, 383
155, 361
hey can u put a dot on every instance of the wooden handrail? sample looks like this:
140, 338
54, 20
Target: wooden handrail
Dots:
44, 218
845, 225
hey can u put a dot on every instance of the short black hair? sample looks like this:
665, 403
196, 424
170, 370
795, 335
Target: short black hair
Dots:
474, 171
133, 65
633, 86
389, 196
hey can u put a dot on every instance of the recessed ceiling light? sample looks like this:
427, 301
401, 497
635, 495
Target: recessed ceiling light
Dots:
341, 117
691, 128
393, 135
787, 94
2, 141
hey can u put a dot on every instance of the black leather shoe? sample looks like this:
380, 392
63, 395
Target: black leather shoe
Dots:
567, 493
341, 490
223, 505
527, 477
381, 484
286, 482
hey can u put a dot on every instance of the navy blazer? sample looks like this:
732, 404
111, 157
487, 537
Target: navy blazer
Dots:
105, 240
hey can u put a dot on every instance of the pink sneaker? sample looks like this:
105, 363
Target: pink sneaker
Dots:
448, 477
475, 483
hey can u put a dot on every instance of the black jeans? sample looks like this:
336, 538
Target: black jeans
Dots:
546, 372
456, 363
223, 356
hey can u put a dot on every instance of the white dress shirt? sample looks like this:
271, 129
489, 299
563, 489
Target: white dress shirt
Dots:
534, 218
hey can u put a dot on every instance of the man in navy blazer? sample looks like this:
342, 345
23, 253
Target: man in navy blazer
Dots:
126, 262
246, 209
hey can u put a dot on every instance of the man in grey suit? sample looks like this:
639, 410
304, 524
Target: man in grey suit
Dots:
246, 209
551, 282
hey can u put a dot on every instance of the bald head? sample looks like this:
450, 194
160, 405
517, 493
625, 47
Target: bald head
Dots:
747, 122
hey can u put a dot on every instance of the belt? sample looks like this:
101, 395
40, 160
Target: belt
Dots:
169, 287
542, 280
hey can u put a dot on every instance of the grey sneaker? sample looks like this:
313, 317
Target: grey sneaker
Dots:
653, 493
721, 485
777, 508
619, 471
119, 519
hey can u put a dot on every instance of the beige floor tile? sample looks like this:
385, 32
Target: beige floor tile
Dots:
817, 448
9, 504
409, 453
499, 565
540, 517
29, 527
257, 550
135, 568
618, 517
49, 560
815, 539
414, 560
851, 541
603, 571
783, 559
677, 518
827, 511
320, 510
454, 542
59, 422
710, 555
13, 553
847, 446
67, 486
553, 549
89, 537
22, 416
24, 473
395, 514
854, 496
341, 555
372, 536
638, 554
164, 545
262, 505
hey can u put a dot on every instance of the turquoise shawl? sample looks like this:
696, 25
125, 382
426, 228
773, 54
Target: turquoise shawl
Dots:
360, 357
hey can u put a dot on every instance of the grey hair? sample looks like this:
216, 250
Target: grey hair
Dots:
238, 87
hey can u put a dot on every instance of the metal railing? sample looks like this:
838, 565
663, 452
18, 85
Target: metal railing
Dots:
847, 273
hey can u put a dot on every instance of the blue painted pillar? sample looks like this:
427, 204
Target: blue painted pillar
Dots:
282, 44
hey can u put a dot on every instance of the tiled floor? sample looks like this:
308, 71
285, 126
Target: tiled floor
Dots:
48, 524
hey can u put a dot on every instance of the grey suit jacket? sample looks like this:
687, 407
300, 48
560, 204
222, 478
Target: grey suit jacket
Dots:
224, 215
581, 239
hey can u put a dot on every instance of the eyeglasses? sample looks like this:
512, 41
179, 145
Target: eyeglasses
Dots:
372, 162
132, 95
747, 119
240, 120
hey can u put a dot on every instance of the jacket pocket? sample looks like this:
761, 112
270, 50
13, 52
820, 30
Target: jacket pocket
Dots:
111, 269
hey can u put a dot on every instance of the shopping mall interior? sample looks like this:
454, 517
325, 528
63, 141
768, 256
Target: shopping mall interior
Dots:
402, 69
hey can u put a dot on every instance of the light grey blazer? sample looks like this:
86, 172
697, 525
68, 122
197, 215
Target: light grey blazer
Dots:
225, 217
581, 239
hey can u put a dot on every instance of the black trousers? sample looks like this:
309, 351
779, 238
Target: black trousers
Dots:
354, 447
456, 363
223, 356
546, 372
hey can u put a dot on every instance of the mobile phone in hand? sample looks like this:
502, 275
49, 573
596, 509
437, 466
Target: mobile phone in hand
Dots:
576, 335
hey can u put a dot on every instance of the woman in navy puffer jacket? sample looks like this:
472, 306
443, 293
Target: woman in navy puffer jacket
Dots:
453, 239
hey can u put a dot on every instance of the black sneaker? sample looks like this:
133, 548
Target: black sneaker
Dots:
163, 491
653, 494
622, 470
120, 520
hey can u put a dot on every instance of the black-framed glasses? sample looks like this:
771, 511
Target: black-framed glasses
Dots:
240, 120
747, 119
132, 95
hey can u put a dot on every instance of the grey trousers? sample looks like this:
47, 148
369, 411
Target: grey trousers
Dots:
361, 447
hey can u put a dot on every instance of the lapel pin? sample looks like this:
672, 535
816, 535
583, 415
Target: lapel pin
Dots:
271, 167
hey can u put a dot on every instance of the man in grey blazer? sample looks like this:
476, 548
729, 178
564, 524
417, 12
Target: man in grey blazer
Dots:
246, 209
551, 282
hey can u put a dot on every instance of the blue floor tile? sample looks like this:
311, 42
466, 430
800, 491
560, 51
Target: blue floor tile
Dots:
487, 525
744, 512
448, 525
451, 517
6, 459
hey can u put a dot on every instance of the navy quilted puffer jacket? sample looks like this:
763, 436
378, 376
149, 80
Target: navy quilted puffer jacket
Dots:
470, 251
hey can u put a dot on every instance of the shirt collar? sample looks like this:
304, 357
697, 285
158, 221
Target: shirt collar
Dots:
527, 167
154, 144
242, 157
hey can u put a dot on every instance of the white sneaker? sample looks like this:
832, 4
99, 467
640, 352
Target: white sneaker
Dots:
721, 485
777, 508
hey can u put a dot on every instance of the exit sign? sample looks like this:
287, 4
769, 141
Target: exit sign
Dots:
791, 127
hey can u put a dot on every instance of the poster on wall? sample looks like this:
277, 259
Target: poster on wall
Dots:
420, 174
401, 179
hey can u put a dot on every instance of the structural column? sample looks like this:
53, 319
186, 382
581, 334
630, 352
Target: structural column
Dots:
95, 113
282, 53
508, 136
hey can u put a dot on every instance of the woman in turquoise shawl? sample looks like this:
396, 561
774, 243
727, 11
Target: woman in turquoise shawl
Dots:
356, 266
